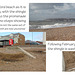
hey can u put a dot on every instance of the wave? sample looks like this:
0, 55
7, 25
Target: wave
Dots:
56, 25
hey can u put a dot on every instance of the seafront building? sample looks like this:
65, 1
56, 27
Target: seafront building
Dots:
18, 39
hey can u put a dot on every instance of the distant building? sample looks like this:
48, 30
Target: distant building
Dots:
18, 39
29, 42
39, 42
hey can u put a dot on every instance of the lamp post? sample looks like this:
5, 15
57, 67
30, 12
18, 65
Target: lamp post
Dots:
32, 36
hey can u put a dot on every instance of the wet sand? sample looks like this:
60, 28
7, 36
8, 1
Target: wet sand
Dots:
58, 34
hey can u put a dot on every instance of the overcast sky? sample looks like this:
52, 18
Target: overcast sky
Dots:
41, 11
37, 36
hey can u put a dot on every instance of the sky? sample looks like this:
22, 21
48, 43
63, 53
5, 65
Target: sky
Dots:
37, 36
42, 11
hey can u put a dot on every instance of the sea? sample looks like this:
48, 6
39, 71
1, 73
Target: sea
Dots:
51, 24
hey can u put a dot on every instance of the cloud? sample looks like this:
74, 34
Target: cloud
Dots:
48, 7
72, 4
62, 8
33, 6
40, 11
